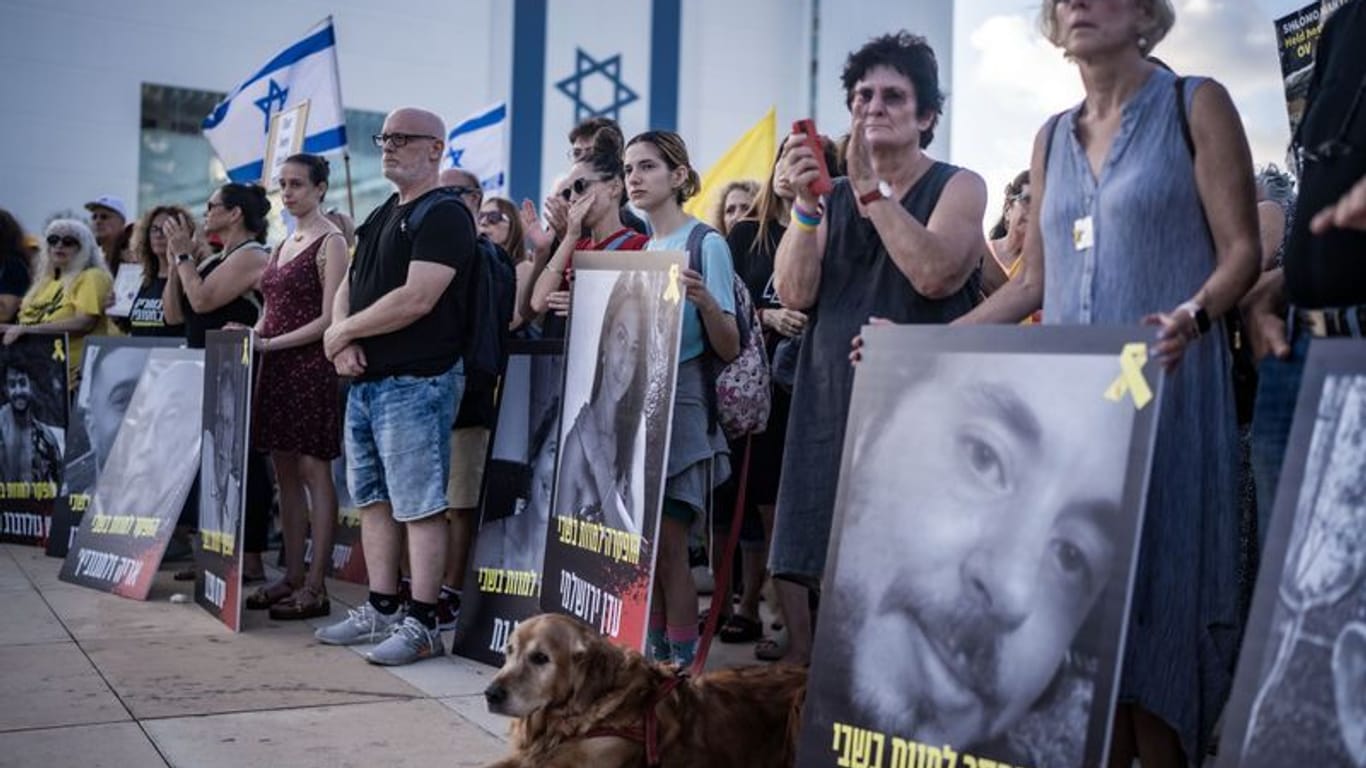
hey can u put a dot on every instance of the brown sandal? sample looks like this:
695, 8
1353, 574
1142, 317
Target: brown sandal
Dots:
305, 603
265, 597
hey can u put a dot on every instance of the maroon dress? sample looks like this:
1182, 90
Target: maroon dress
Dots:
297, 408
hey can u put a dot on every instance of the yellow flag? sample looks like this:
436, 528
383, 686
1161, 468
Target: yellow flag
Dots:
749, 158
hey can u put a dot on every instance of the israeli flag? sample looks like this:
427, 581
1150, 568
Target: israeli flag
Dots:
478, 144
305, 71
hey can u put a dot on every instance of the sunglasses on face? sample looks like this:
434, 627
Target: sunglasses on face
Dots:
578, 188
66, 241
492, 218
398, 140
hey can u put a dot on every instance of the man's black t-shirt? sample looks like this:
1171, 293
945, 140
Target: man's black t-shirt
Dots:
1330, 270
433, 343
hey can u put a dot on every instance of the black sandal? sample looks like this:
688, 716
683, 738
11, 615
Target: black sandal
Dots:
740, 629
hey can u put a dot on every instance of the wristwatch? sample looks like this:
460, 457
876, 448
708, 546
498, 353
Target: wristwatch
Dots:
883, 191
1199, 315
181, 258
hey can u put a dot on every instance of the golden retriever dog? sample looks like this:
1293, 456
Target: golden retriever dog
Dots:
581, 701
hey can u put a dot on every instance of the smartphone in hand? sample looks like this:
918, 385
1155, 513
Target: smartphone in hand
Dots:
807, 127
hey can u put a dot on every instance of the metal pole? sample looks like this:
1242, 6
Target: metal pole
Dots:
350, 198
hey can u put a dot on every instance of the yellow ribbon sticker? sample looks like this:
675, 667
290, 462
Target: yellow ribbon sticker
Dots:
671, 293
246, 345
1130, 380
58, 351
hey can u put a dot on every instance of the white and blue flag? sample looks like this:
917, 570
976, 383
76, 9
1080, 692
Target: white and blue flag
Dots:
304, 71
479, 145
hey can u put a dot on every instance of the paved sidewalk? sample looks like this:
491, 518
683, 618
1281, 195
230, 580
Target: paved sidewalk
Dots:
99, 681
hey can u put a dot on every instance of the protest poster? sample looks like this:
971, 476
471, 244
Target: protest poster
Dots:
985, 540
503, 582
144, 483
223, 474
621, 366
127, 283
1297, 37
1299, 695
32, 435
110, 367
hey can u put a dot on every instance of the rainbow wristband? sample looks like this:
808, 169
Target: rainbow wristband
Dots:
805, 221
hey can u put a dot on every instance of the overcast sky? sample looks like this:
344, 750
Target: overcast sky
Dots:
1008, 79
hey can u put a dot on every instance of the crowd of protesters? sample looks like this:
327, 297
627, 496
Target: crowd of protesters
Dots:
1140, 205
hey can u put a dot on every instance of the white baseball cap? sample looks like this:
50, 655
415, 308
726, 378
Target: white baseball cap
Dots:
110, 202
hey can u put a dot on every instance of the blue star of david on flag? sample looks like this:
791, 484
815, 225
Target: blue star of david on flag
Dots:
275, 94
586, 66
454, 156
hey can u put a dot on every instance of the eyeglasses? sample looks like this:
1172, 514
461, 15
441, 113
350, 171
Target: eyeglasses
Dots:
210, 205
492, 218
579, 186
66, 241
463, 191
398, 140
1337, 147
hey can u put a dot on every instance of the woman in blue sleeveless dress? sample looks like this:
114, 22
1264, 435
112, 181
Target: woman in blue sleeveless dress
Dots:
1139, 224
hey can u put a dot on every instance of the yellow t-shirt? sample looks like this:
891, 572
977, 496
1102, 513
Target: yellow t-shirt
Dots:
52, 302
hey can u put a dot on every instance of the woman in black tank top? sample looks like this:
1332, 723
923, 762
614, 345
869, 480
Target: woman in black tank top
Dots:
208, 294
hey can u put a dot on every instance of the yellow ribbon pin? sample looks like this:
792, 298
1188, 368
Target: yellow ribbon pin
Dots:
1130, 380
671, 293
58, 351
246, 343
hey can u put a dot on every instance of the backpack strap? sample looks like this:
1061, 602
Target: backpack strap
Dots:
711, 364
1183, 116
694, 246
1050, 128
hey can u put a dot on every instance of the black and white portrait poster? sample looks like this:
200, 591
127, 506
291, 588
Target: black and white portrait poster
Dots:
1299, 697
222, 474
503, 583
976, 593
110, 367
145, 481
32, 435
621, 367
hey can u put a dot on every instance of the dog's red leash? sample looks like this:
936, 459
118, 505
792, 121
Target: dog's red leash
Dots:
648, 733
723, 572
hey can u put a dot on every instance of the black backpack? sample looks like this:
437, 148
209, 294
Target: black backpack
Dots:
492, 292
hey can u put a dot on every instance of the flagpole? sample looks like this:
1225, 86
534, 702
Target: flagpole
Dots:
350, 198
346, 148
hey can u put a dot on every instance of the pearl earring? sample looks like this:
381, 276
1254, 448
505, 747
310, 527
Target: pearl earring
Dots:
1143, 42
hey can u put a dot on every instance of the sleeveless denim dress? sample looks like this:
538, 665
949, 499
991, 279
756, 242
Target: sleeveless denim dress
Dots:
1152, 251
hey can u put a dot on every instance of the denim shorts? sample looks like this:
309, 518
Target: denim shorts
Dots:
398, 441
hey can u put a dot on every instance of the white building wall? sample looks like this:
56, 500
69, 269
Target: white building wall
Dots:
846, 25
71, 71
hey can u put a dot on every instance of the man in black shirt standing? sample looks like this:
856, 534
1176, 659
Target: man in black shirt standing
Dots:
398, 329
1320, 291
